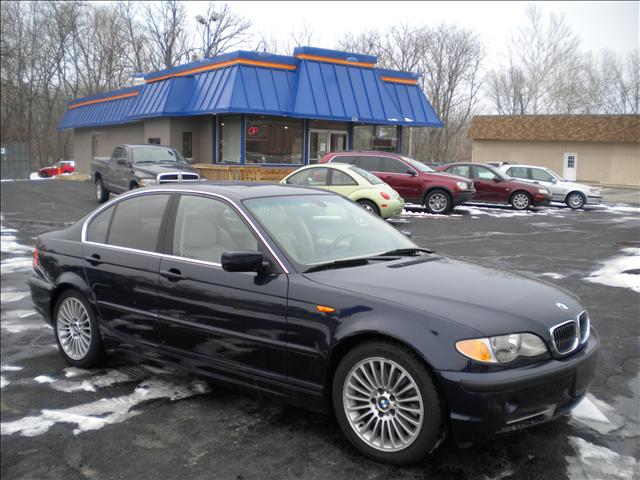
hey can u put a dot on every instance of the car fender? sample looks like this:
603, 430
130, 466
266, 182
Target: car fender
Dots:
67, 280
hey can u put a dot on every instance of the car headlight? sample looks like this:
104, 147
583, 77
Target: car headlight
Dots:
503, 348
544, 191
462, 185
147, 182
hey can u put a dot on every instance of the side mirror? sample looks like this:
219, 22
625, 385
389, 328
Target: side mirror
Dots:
497, 179
242, 261
411, 172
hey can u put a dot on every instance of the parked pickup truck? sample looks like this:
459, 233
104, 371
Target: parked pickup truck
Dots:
133, 166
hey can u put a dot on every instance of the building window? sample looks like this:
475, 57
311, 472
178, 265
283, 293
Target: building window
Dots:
187, 144
229, 140
153, 141
273, 140
375, 137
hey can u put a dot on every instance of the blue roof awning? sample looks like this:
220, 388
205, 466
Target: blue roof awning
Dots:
314, 83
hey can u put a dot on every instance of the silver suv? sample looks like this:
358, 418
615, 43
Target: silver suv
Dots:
575, 195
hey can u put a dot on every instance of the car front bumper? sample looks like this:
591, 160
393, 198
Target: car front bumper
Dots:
485, 404
594, 200
540, 200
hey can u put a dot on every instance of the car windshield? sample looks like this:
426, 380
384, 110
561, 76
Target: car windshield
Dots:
156, 155
370, 177
554, 175
421, 167
318, 229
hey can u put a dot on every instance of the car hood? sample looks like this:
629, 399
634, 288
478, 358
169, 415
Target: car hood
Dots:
153, 170
492, 302
448, 176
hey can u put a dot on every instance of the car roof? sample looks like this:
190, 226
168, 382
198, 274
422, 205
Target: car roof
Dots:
335, 166
153, 145
241, 190
522, 165
365, 152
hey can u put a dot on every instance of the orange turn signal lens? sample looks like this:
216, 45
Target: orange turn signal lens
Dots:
325, 309
476, 349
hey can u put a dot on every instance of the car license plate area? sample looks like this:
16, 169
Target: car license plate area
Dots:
584, 375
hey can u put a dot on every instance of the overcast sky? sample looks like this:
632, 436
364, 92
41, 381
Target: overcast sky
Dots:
612, 25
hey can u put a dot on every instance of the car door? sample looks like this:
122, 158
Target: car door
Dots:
488, 186
115, 170
342, 183
231, 323
400, 177
545, 179
121, 263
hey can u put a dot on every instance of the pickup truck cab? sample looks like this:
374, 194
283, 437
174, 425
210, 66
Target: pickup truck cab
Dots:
134, 166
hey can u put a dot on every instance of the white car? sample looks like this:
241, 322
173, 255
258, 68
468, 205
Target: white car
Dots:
575, 195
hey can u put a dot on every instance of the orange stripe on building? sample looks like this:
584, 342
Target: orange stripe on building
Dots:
104, 99
406, 81
215, 66
304, 56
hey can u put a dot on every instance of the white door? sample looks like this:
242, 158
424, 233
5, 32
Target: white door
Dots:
570, 166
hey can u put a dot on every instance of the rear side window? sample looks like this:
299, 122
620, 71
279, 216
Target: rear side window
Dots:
345, 159
136, 222
97, 229
461, 170
518, 172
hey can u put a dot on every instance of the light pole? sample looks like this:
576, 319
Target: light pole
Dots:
206, 34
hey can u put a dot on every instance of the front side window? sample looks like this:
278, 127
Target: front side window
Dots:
370, 177
168, 155
273, 140
339, 178
136, 222
313, 229
391, 165
483, 173
314, 177
206, 227
97, 229
541, 175
460, 170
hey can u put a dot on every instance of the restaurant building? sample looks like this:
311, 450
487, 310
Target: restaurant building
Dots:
249, 108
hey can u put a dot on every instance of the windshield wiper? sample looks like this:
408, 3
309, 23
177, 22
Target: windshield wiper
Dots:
352, 262
404, 251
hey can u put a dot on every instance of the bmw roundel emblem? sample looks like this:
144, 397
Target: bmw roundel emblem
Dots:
562, 306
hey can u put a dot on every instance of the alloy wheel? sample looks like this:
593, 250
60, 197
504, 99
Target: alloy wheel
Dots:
438, 202
520, 201
576, 201
383, 404
74, 328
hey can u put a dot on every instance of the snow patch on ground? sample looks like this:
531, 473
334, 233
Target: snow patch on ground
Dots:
12, 327
16, 264
35, 176
110, 377
10, 368
555, 276
3, 381
588, 413
12, 296
71, 372
616, 271
44, 379
595, 462
8, 244
106, 411
424, 214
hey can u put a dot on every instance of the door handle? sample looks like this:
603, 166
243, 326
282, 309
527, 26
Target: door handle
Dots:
94, 259
173, 274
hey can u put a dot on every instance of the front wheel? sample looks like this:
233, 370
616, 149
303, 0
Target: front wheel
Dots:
102, 194
575, 200
76, 331
386, 403
438, 202
369, 206
520, 200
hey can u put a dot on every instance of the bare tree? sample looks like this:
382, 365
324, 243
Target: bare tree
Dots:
298, 37
221, 30
138, 48
169, 38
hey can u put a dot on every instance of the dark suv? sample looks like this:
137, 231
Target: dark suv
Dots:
413, 180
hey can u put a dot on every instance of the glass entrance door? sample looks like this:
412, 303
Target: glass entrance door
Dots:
322, 142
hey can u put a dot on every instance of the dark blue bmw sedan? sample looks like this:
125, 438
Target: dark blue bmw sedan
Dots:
306, 296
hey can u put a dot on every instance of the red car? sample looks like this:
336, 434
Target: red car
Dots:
63, 166
494, 186
413, 180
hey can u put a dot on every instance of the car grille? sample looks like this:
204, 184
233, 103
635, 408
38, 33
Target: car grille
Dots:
569, 335
173, 177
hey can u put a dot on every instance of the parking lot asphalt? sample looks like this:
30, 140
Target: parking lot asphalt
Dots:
136, 422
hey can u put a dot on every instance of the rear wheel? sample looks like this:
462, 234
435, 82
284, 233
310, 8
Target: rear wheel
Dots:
437, 202
369, 206
520, 200
76, 331
102, 194
386, 403
575, 200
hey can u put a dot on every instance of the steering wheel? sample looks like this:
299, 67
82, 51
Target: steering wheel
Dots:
336, 242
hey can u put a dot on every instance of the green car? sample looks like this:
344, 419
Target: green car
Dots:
352, 182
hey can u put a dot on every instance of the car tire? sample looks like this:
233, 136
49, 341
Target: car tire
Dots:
102, 194
575, 200
411, 430
520, 200
76, 331
369, 206
437, 202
